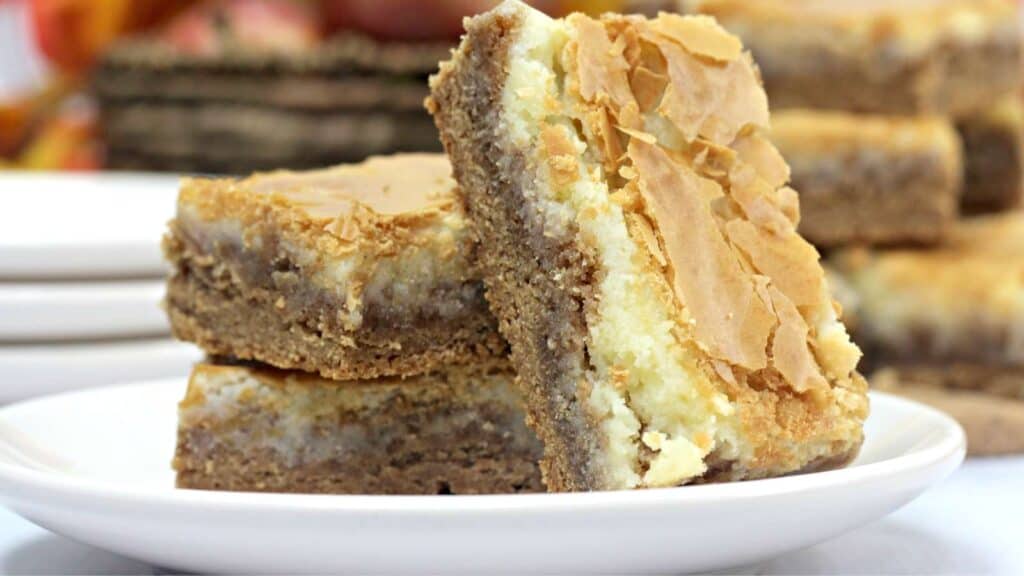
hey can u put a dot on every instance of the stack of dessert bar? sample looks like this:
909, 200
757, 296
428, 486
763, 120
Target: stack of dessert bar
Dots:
621, 209
903, 125
350, 346
236, 111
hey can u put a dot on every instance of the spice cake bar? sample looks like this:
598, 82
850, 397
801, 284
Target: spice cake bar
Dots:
952, 316
918, 57
993, 156
871, 179
352, 272
458, 431
667, 322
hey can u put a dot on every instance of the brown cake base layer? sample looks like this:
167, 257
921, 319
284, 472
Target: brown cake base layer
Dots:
234, 304
991, 380
530, 296
459, 431
238, 471
993, 423
993, 159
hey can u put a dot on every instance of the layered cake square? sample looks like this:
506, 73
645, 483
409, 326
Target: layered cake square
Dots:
351, 272
922, 57
460, 430
667, 322
871, 179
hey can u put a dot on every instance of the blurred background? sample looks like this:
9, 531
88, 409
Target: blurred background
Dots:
224, 86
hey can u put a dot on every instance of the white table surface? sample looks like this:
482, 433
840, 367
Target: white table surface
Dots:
970, 524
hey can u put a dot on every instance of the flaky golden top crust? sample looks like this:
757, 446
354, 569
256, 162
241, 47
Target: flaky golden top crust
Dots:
384, 201
824, 132
677, 112
915, 23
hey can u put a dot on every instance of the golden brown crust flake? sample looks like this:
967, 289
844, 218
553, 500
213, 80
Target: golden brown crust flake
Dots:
380, 205
750, 284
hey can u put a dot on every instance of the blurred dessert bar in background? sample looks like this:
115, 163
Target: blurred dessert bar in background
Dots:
879, 56
871, 179
993, 142
460, 430
959, 305
873, 87
351, 272
949, 319
237, 87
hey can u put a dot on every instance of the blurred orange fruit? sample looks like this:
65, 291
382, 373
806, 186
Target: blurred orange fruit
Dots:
71, 33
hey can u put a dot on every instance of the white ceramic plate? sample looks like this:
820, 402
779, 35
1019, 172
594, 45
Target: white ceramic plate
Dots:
83, 225
27, 371
94, 466
81, 310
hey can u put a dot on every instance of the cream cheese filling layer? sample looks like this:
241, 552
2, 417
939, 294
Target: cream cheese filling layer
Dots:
659, 413
407, 280
289, 416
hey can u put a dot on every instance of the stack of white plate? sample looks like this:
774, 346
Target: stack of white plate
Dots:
81, 279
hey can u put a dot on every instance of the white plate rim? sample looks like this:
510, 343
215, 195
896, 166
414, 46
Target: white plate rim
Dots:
946, 450
77, 310
82, 257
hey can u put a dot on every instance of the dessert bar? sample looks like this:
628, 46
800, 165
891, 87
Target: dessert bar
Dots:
239, 110
952, 316
352, 272
993, 156
667, 322
871, 179
457, 431
930, 57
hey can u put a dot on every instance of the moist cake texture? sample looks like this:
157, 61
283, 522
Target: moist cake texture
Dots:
993, 157
952, 316
458, 431
667, 322
908, 57
351, 272
871, 179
